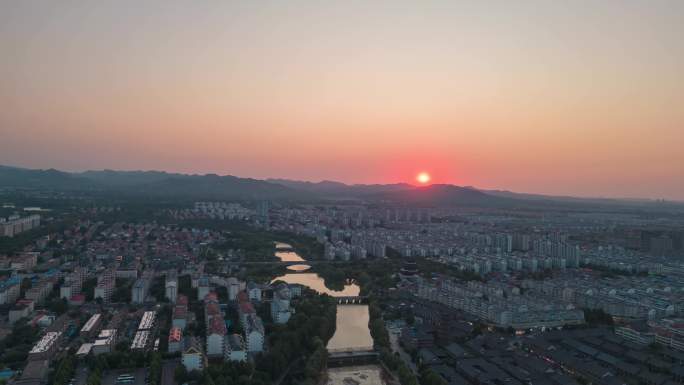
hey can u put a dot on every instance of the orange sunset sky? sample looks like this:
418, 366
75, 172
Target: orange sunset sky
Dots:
561, 97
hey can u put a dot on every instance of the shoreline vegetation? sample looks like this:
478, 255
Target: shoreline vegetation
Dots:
297, 351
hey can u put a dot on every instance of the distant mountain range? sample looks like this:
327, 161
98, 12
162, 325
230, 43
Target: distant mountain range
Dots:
440, 194
42, 179
437, 194
212, 186
342, 190
154, 183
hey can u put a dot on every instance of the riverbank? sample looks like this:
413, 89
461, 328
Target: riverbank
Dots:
304, 336
351, 324
363, 326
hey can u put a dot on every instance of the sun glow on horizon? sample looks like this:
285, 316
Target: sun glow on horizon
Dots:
423, 177
293, 90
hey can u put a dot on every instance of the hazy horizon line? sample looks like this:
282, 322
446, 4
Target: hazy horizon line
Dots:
348, 183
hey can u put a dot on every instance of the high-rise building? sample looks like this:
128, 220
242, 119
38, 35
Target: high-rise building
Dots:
504, 242
106, 283
254, 333
521, 242
661, 245
171, 286
233, 288
280, 305
262, 210
139, 290
203, 287
9, 290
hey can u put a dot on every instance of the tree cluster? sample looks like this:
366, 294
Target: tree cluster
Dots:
227, 373
299, 345
382, 343
15, 347
65, 370
597, 317
155, 370
429, 377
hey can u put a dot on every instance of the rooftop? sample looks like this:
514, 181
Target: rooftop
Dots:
140, 340
46, 342
175, 335
91, 323
147, 320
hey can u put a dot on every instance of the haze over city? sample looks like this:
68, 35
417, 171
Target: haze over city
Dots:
356, 192
575, 98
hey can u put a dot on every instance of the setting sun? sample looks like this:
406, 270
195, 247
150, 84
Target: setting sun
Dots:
423, 177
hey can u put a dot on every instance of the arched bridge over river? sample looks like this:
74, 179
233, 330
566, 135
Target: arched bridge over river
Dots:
352, 357
352, 300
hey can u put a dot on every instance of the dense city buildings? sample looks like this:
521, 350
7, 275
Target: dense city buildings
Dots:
15, 225
342, 193
472, 296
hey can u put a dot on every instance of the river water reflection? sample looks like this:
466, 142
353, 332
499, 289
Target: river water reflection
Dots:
352, 328
351, 324
352, 320
285, 253
315, 282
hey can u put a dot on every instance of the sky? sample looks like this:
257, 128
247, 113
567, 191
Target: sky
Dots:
581, 98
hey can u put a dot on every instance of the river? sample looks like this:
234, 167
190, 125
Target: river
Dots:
351, 331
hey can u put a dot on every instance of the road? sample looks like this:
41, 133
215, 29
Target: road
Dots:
81, 375
394, 341
168, 370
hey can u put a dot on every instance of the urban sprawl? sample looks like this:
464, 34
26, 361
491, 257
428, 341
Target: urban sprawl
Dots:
456, 296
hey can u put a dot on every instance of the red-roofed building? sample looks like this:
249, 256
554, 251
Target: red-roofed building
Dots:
175, 340
244, 310
42, 319
180, 312
29, 303
218, 326
211, 310
77, 300
216, 337
242, 297
211, 297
